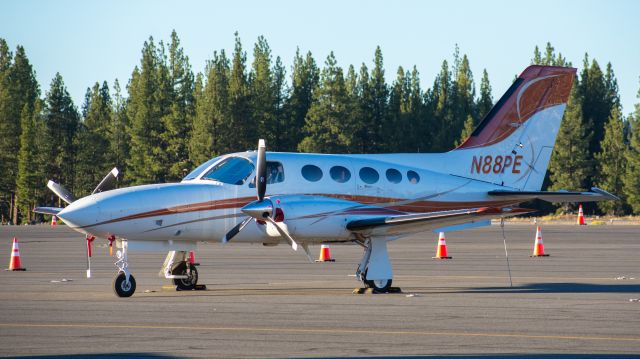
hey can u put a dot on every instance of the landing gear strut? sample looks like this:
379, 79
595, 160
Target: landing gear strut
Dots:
375, 269
124, 284
179, 268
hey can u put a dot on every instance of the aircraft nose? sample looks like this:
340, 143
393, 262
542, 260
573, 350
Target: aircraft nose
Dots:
81, 213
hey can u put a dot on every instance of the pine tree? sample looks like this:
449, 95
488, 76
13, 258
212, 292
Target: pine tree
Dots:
18, 87
62, 120
440, 99
280, 91
326, 128
305, 76
30, 181
119, 140
399, 124
93, 157
379, 102
596, 101
463, 106
243, 133
178, 121
211, 125
485, 102
263, 94
612, 163
631, 179
569, 167
146, 106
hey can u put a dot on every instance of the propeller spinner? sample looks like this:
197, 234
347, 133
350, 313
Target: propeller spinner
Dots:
262, 209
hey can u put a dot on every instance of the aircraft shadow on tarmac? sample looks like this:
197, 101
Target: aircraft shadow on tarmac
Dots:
560, 288
445, 356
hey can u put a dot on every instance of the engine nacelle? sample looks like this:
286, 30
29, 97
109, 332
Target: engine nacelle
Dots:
312, 218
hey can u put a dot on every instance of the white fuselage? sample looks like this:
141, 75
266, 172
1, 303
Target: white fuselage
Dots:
199, 209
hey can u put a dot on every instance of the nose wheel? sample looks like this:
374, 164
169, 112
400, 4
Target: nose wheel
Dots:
122, 286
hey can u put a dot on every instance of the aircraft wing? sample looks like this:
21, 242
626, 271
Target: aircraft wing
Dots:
413, 223
596, 194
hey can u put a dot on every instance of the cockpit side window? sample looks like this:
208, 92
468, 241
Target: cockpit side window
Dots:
275, 173
195, 173
232, 170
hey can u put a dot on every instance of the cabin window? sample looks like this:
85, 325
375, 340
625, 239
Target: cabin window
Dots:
413, 177
232, 170
275, 174
369, 175
340, 174
393, 175
311, 173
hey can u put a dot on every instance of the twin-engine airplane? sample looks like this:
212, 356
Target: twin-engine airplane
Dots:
305, 199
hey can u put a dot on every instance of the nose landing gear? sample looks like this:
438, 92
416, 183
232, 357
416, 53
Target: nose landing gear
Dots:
124, 284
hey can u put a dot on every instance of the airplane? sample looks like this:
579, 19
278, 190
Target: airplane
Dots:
304, 199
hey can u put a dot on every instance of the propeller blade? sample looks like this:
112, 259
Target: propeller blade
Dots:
284, 233
261, 170
107, 180
61, 192
235, 230
305, 246
47, 210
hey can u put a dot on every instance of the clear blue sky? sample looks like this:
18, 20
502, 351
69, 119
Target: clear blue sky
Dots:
89, 41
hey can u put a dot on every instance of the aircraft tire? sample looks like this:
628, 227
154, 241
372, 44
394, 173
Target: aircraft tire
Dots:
379, 285
187, 283
123, 288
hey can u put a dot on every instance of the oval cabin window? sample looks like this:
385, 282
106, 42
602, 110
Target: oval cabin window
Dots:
340, 174
311, 173
369, 175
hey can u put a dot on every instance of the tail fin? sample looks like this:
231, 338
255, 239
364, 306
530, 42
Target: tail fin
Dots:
513, 143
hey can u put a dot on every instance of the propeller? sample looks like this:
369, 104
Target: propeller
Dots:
262, 209
107, 180
68, 197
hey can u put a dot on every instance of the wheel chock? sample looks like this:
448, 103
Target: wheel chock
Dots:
391, 290
200, 287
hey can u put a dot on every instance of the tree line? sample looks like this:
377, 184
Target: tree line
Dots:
168, 119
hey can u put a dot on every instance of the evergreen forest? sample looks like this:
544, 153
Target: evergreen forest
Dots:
166, 119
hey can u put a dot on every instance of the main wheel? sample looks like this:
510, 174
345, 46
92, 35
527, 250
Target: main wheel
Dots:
188, 283
122, 287
379, 285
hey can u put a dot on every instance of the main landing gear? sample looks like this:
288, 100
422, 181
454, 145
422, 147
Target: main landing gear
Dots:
124, 284
375, 269
179, 268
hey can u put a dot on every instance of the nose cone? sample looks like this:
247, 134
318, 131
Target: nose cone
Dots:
81, 213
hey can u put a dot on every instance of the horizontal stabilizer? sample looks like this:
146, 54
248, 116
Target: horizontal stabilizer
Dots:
48, 210
595, 195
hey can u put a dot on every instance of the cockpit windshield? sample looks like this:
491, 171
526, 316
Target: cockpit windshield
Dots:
195, 173
232, 170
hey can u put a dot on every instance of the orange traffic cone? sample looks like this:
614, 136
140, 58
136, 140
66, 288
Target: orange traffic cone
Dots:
441, 252
14, 263
538, 246
54, 221
581, 216
325, 254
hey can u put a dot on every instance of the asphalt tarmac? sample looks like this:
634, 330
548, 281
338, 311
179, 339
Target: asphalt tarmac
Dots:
580, 302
